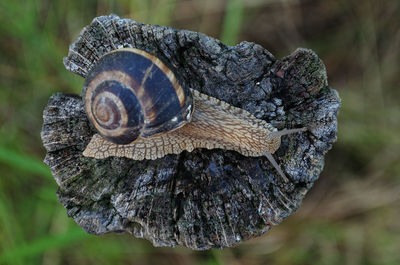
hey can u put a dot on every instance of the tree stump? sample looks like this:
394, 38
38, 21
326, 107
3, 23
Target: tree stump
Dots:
207, 198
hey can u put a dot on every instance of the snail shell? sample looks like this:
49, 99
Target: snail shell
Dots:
141, 112
130, 93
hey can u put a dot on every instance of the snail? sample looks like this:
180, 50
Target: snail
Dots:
141, 111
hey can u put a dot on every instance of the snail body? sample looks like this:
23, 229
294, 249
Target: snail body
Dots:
141, 111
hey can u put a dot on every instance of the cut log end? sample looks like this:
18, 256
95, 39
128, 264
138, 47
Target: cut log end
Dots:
205, 198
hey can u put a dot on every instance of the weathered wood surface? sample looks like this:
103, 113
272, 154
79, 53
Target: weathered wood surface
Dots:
206, 198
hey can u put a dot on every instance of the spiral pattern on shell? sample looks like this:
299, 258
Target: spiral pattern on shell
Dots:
130, 93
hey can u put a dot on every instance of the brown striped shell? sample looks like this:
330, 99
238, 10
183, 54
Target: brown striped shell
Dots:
130, 93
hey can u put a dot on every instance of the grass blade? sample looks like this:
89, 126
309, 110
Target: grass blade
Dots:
23, 162
232, 22
44, 244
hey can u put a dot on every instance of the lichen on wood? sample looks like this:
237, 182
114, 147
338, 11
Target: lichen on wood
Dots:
206, 198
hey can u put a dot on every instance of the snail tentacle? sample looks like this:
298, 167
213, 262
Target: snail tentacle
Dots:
276, 166
286, 132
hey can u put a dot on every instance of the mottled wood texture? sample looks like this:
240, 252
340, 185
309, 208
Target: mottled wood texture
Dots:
206, 198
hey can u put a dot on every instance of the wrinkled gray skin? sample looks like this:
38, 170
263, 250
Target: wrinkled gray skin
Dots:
206, 198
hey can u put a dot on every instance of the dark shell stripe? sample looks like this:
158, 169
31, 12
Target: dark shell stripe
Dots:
179, 90
160, 94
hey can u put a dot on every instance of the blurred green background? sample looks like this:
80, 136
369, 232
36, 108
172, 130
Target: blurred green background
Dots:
352, 214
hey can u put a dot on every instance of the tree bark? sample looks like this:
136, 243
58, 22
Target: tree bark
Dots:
206, 198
